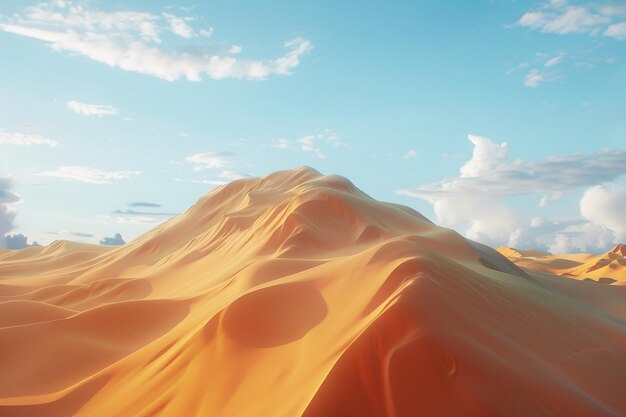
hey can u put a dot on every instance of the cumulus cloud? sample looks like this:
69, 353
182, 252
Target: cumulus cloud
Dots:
7, 212
410, 154
23, 139
560, 17
605, 205
491, 172
138, 42
115, 240
18, 241
88, 174
476, 198
91, 109
209, 160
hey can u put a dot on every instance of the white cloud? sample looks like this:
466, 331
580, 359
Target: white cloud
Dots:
132, 42
562, 18
316, 144
490, 172
410, 154
7, 213
91, 109
209, 160
23, 139
617, 31
476, 198
138, 220
281, 144
232, 175
605, 205
554, 61
235, 49
88, 175
179, 26
535, 77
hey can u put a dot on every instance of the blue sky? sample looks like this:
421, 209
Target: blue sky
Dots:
505, 120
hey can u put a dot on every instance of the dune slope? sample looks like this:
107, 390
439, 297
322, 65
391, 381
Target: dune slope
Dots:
607, 268
298, 295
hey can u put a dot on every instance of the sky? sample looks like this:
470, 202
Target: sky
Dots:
504, 120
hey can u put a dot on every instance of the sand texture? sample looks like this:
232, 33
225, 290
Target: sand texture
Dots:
297, 294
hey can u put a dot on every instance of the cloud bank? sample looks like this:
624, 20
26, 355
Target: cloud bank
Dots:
160, 45
476, 198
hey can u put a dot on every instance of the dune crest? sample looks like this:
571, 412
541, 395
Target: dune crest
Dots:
297, 294
607, 268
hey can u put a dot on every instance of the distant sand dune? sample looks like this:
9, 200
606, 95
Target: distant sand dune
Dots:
296, 294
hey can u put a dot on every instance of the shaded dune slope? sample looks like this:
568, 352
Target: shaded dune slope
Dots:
296, 294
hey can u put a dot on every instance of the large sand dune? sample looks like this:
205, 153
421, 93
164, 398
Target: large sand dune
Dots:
298, 295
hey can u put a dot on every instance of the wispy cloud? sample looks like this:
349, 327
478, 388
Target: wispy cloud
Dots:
560, 17
134, 41
138, 220
24, 139
91, 109
313, 144
209, 160
70, 233
88, 174
143, 204
410, 154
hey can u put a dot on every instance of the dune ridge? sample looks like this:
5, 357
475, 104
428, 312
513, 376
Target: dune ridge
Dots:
606, 268
296, 294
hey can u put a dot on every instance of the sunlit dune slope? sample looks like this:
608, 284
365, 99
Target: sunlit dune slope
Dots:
298, 295
607, 268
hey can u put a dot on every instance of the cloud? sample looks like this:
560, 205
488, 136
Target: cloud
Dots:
559, 17
617, 31
16, 242
88, 175
490, 172
476, 198
312, 144
142, 213
143, 204
554, 61
22, 139
70, 233
179, 26
209, 160
138, 220
232, 175
7, 212
410, 154
135, 41
92, 109
281, 144
534, 77
605, 205
115, 240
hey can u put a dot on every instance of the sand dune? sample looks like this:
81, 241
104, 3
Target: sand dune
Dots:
298, 295
607, 268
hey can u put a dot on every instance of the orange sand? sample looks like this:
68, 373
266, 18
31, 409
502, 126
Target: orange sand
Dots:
298, 295
607, 268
